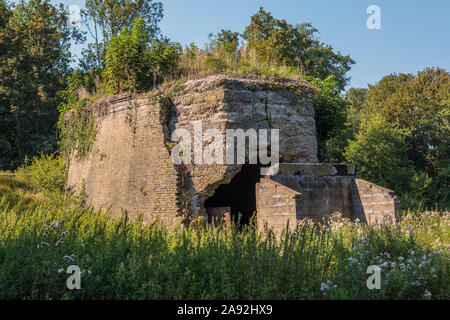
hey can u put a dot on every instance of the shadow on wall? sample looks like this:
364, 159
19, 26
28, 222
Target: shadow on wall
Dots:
372, 203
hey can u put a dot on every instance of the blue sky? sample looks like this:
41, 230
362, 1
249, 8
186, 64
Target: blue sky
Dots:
414, 34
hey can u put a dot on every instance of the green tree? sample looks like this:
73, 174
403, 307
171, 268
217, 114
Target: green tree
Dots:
419, 103
330, 107
379, 151
105, 19
35, 39
162, 58
228, 41
277, 42
132, 63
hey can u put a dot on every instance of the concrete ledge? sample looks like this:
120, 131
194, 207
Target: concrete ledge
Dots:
317, 169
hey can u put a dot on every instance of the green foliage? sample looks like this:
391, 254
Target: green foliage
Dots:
125, 59
277, 42
46, 173
228, 41
76, 125
379, 151
272, 48
330, 114
420, 104
34, 59
417, 104
132, 260
163, 57
104, 19
131, 63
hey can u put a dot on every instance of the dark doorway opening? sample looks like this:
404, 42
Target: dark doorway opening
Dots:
239, 194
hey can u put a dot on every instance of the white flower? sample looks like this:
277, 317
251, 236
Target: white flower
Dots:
400, 258
70, 258
61, 270
64, 233
58, 242
427, 294
351, 260
43, 244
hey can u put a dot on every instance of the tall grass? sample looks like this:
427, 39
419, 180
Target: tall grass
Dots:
42, 232
195, 62
130, 260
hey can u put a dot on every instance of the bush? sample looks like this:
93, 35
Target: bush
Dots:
379, 151
47, 173
133, 64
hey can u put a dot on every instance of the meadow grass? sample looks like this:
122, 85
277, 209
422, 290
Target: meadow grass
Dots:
43, 231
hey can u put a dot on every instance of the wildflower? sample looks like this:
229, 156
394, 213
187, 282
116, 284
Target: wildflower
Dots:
64, 233
70, 258
400, 259
61, 270
427, 294
59, 242
43, 244
59, 224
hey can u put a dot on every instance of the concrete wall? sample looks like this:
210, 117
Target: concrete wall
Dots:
322, 189
130, 165
238, 103
275, 205
372, 203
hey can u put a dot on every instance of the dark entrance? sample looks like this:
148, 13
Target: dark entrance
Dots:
239, 194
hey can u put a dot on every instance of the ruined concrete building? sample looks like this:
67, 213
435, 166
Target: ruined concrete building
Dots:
130, 165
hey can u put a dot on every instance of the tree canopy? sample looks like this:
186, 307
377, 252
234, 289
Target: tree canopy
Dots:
277, 42
34, 60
